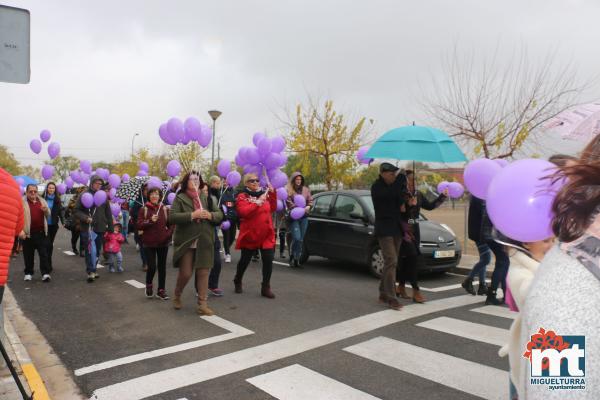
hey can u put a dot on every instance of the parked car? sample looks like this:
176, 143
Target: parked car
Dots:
341, 227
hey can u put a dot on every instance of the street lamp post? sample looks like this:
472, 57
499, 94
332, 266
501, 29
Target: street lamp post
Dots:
214, 114
133, 140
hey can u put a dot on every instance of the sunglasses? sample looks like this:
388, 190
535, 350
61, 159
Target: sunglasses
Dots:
252, 181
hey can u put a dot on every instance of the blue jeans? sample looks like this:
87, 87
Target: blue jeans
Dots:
501, 267
298, 229
90, 265
485, 257
124, 228
115, 258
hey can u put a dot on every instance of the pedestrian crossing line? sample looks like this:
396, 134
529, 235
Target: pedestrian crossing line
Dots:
300, 383
443, 288
136, 284
466, 376
190, 374
99, 265
69, 252
497, 311
235, 331
281, 263
469, 330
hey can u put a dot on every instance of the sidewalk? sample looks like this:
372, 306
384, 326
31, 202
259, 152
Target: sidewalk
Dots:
39, 369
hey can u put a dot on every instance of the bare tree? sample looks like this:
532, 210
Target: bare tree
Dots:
494, 107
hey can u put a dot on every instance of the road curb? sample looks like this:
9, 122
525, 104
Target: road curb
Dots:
48, 377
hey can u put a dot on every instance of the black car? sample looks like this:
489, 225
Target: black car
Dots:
340, 226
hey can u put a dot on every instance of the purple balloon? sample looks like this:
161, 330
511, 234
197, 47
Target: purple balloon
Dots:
224, 207
282, 194
501, 162
84, 178
175, 129
45, 135
143, 166
61, 188
35, 146
171, 198
257, 137
238, 160
125, 178
263, 181
284, 159
519, 200
87, 200
99, 198
142, 173
114, 180
280, 205
297, 213
479, 174
205, 136
225, 225
47, 171
173, 168
299, 200
85, 166
277, 144
192, 128
115, 209
252, 156
154, 182
455, 190
20, 181
279, 180
273, 160
69, 182
112, 193
233, 178
223, 168
264, 146
442, 186
164, 135
104, 174
53, 150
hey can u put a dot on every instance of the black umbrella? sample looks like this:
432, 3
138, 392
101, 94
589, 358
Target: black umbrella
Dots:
130, 190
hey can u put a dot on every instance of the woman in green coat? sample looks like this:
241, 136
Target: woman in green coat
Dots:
194, 217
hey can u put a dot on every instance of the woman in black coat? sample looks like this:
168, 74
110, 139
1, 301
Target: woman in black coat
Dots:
56, 215
410, 257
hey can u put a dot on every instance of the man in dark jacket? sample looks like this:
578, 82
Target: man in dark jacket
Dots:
94, 219
228, 200
389, 194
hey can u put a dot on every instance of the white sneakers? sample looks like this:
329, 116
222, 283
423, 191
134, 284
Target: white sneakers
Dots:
46, 278
28, 277
227, 258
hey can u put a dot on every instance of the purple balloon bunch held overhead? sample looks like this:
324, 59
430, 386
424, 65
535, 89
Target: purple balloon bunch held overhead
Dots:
175, 132
265, 159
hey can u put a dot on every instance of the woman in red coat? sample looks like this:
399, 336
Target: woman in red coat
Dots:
255, 208
11, 215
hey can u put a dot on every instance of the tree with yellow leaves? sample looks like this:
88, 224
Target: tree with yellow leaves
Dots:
320, 132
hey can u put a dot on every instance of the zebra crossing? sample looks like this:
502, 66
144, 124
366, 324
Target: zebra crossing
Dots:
297, 382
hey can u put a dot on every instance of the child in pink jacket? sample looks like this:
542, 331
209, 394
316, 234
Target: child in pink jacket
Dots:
112, 248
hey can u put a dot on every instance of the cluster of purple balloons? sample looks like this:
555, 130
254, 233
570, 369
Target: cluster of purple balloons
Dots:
225, 170
360, 155
299, 209
518, 196
265, 156
53, 148
174, 131
455, 189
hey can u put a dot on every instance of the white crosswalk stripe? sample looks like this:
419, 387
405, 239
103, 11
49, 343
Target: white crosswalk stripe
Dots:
299, 383
466, 376
469, 330
496, 311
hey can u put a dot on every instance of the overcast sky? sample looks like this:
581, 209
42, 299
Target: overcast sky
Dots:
105, 70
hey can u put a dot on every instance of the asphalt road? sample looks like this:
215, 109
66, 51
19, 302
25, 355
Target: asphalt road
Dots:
324, 334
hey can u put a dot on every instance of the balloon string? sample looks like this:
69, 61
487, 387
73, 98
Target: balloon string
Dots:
163, 197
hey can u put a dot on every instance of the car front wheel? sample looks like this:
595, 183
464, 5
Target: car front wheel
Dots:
376, 262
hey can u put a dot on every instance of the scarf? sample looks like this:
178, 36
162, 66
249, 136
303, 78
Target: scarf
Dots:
254, 194
586, 249
193, 194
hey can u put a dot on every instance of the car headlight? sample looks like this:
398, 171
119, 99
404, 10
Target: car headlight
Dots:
446, 227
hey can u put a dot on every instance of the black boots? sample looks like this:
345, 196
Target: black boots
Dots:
238, 285
265, 291
468, 286
491, 298
482, 289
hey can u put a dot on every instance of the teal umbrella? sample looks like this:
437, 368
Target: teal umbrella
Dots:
416, 143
